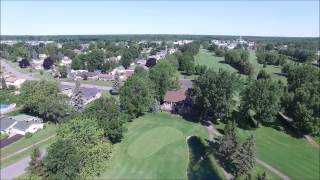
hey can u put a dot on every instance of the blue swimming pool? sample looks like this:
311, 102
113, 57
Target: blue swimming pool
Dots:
3, 106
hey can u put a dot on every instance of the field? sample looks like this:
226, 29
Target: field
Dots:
154, 147
294, 157
204, 57
24, 143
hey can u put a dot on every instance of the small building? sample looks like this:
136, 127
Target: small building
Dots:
174, 101
65, 61
88, 94
20, 124
13, 81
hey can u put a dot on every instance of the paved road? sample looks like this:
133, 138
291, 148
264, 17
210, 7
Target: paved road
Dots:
15, 72
17, 169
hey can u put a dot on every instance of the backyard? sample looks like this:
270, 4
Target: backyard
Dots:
22, 148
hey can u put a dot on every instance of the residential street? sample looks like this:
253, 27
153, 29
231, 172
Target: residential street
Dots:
15, 170
18, 74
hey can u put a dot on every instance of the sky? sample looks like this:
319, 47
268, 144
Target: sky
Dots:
254, 18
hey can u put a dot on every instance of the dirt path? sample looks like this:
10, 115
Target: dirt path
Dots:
212, 132
28, 147
311, 141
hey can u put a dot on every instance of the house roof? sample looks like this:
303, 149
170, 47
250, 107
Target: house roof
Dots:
85, 92
174, 96
24, 125
6, 122
24, 117
185, 84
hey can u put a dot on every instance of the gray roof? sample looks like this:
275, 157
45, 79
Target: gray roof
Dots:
6, 122
185, 84
23, 125
86, 92
25, 117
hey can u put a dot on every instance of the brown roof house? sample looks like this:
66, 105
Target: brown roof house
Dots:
175, 102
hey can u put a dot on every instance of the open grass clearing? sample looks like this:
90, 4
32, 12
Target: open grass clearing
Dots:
154, 147
292, 156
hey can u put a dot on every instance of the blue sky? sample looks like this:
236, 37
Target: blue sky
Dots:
263, 18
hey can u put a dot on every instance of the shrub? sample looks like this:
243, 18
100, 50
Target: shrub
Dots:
28, 135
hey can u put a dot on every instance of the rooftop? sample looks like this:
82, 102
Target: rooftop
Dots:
174, 96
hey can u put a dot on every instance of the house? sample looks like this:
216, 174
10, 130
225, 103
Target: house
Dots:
13, 81
174, 101
65, 61
106, 77
20, 124
88, 94
126, 74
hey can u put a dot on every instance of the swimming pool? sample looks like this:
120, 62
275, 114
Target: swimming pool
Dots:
4, 106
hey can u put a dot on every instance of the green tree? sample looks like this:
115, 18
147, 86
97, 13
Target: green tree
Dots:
3, 83
63, 71
36, 165
164, 77
116, 84
77, 98
62, 161
43, 98
126, 59
212, 94
243, 160
229, 143
89, 142
107, 112
263, 75
263, 97
136, 96
20, 51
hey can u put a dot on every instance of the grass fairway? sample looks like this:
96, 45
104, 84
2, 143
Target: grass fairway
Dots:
292, 156
274, 71
154, 147
204, 57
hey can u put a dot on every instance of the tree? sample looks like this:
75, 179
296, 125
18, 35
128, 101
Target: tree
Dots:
164, 77
116, 84
200, 69
47, 63
136, 95
126, 59
52, 51
212, 94
263, 97
88, 141
63, 71
62, 160
155, 106
36, 165
107, 112
243, 159
186, 63
3, 83
24, 63
263, 75
20, 51
229, 142
76, 98
43, 98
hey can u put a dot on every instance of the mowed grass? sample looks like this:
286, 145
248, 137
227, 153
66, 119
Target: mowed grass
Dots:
205, 57
274, 71
154, 147
294, 157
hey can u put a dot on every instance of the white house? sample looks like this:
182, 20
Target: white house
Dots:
65, 61
20, 124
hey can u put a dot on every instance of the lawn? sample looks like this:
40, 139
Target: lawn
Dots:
34, 72
274, 71
204, 57
294, 157
25, 142
154, 147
